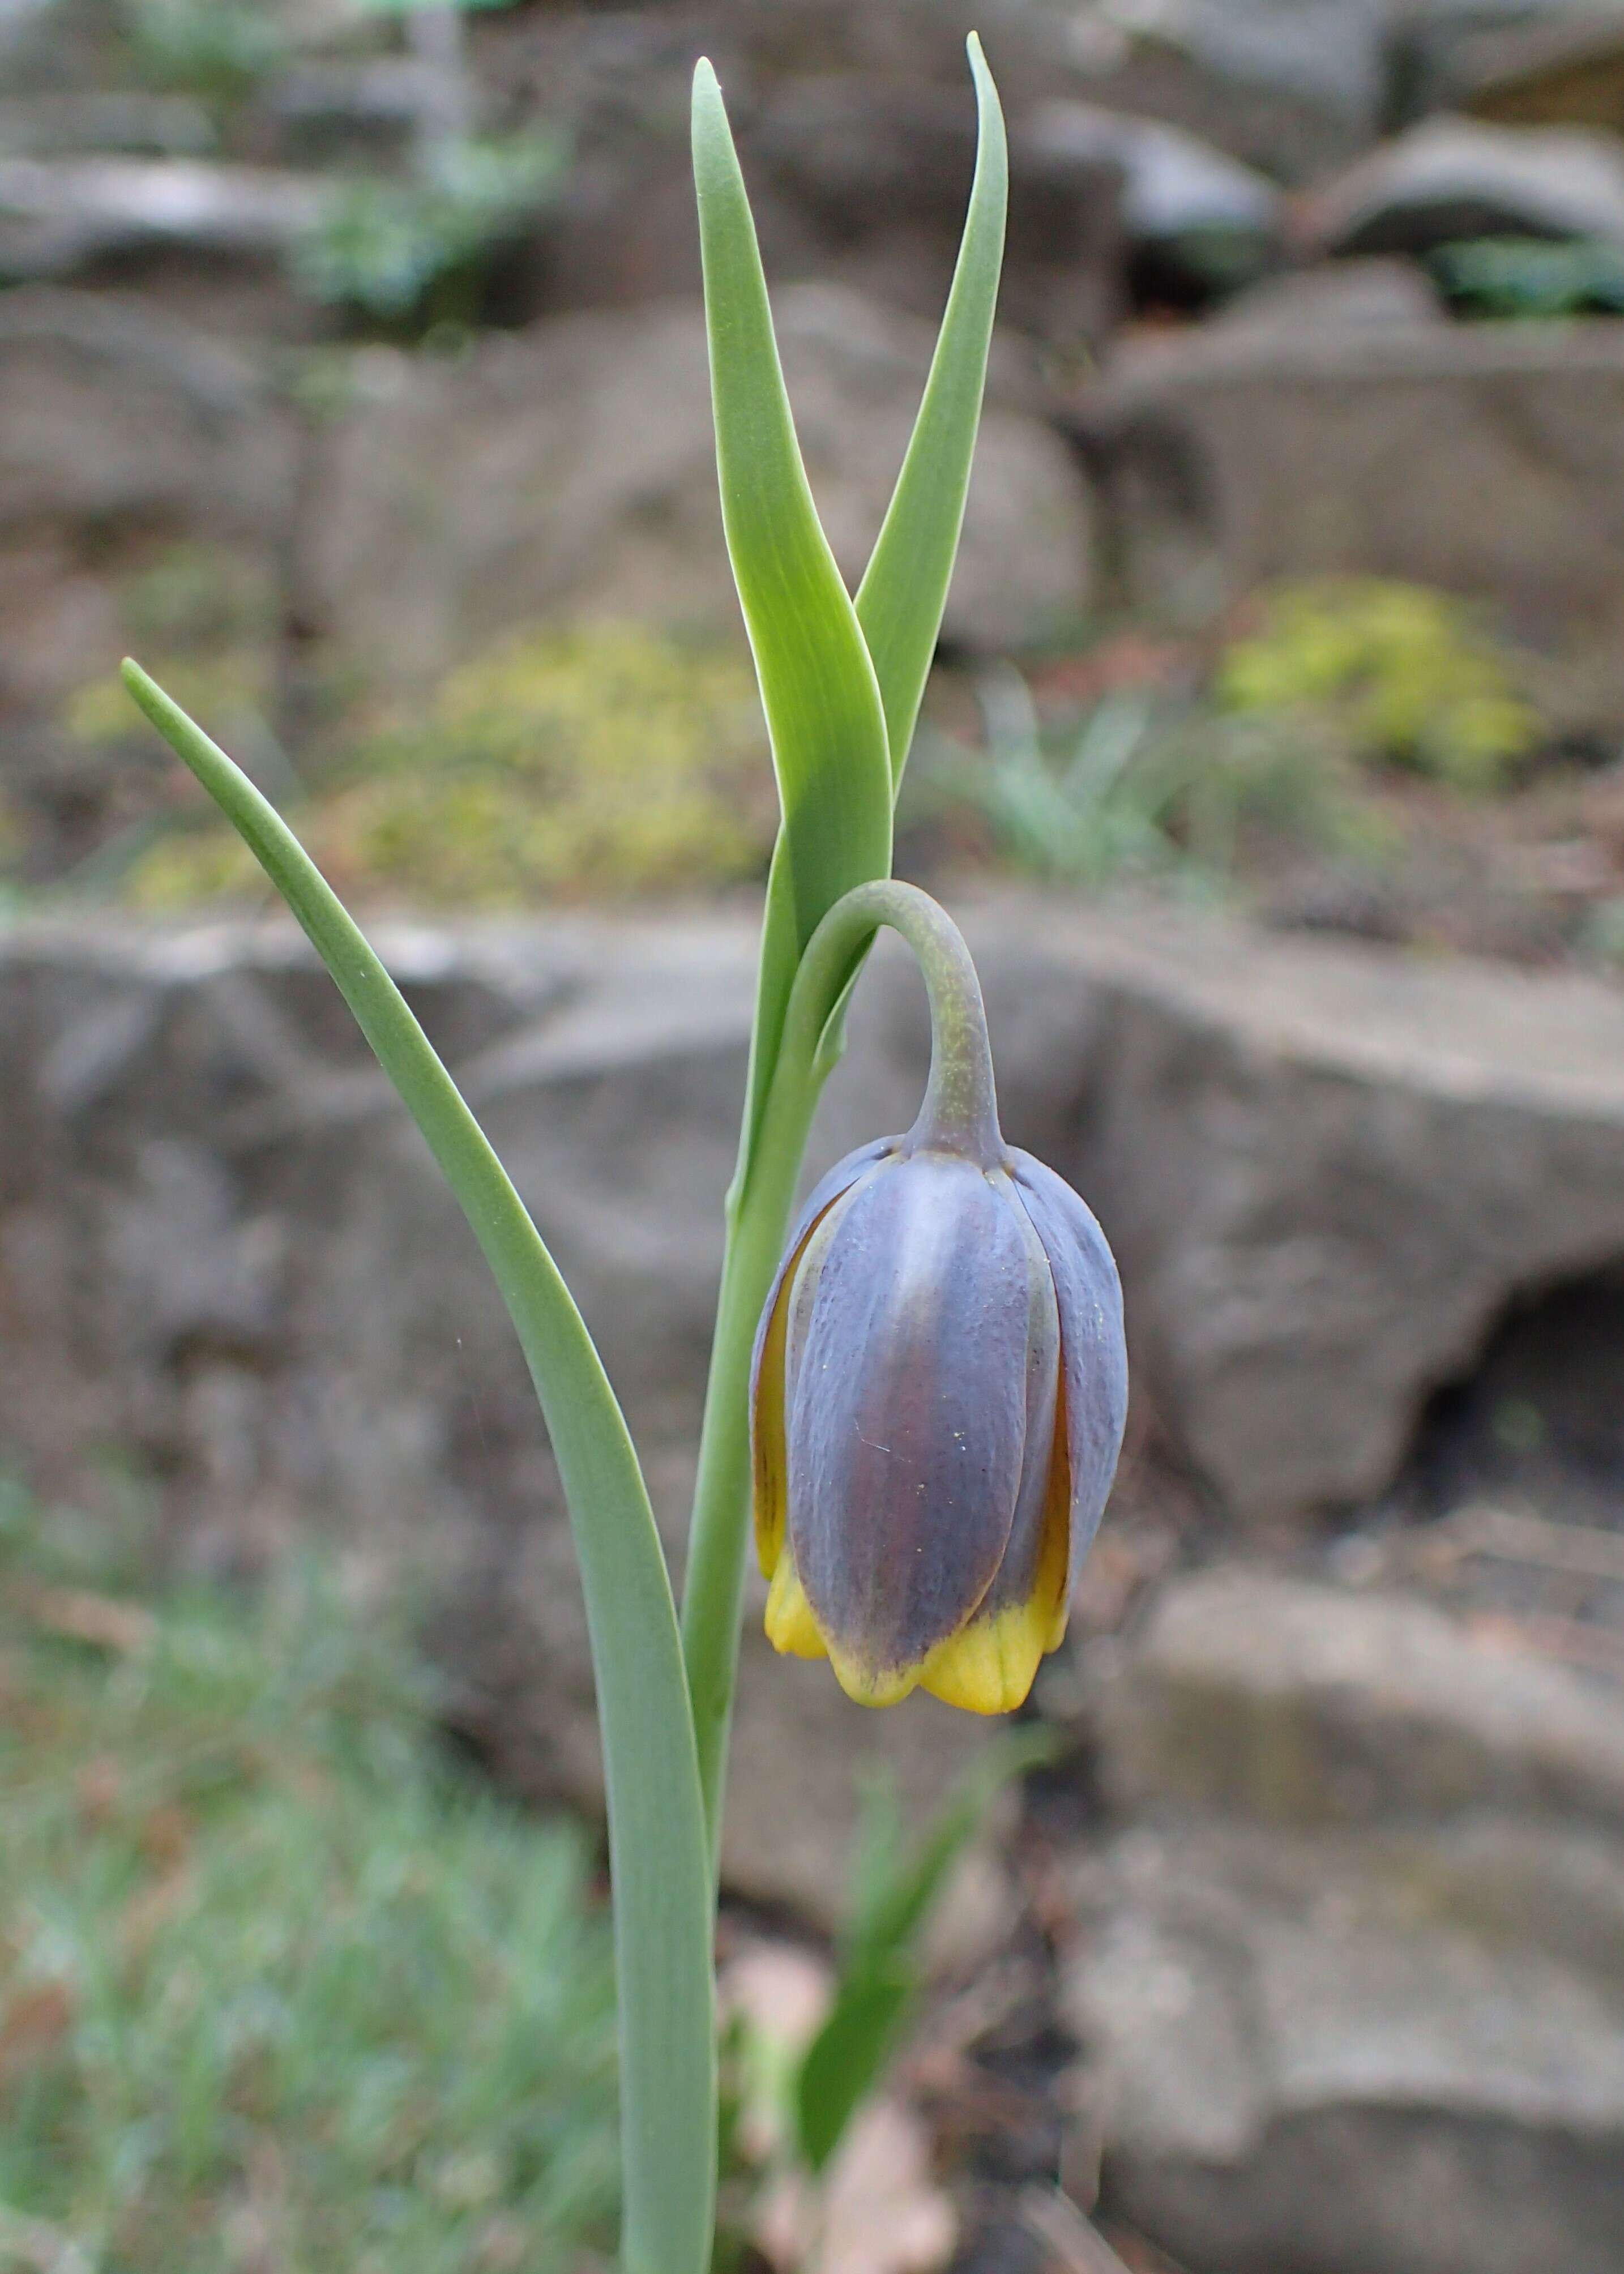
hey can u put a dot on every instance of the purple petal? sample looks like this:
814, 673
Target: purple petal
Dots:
907, 1383
1017, 1576
1094, 1350
829, 1188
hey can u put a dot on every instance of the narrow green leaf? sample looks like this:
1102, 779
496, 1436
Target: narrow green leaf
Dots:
818, 689
904, 590
843, 2062
897, 1903
880, 1962
659, 1855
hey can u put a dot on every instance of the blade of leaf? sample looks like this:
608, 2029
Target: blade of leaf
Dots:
904, 590
818, 689
659, 1855
880, 1966
843, 2062
896, 1906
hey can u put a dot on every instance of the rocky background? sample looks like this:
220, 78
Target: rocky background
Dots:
353, 371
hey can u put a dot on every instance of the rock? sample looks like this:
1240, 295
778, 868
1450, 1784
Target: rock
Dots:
113, 414
1566, 74
1353, 1979
569, 472
1450, 178
224, 1252
120, 430
1327, 50
1316, 2068
1291, 90
1204, 219
1343, 295
1276, 1700
58, 216
1371, 1158
1333, 73
1480, 457
327, 109
1328, 1171
163, 125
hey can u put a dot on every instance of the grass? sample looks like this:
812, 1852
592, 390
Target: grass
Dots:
279, 1989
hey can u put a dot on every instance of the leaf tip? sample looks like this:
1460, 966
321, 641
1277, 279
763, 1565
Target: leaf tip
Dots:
144, 691
981, 72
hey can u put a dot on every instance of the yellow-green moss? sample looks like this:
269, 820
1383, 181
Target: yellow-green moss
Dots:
605, 760
1409, 674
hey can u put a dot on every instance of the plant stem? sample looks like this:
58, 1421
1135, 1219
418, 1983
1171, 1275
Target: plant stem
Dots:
958, 1106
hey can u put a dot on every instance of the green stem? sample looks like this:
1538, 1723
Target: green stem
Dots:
959, 1109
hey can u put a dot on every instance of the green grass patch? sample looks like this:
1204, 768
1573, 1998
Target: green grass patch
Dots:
279, 1986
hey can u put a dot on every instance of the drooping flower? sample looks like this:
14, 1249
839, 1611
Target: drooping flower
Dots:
938, 1401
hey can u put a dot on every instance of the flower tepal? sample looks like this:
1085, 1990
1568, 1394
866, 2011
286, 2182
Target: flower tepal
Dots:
938, 1395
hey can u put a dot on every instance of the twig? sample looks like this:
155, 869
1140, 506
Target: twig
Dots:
1076, 2246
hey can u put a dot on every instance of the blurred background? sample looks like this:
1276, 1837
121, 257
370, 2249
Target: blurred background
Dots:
352, 375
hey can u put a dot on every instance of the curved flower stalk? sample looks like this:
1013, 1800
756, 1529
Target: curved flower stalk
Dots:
939, 1383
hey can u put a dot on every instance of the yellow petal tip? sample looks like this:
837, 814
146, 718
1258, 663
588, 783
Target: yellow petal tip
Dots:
791, 1627
990, 1666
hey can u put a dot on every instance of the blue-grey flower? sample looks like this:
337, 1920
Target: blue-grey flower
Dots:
938, 1401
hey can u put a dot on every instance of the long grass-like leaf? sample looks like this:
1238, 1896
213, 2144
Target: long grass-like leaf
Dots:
824, 713
832, 720
904, 590
659, 1854
903, 595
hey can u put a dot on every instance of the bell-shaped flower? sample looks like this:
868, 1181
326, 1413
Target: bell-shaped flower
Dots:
938, 1401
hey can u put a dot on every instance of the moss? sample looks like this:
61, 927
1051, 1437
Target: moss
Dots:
598, 761
1409, 675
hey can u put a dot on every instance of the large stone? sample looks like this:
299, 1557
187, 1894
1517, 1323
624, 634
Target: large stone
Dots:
1569, 72
1195, 222
1174, 185
1328, 1171
1317, 2065
1482, 457
1286, 1702
1450, 178
1352, 1976
122, 431
62, 214
570, 472
113, 416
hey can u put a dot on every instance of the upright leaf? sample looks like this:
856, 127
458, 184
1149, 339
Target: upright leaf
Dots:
659, 1854
904, 590
848, 2056
880, 1964
818, 689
